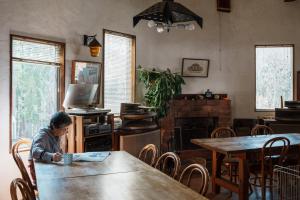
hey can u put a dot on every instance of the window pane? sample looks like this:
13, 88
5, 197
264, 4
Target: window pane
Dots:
36, 51
274, 76
34, 97
118, 71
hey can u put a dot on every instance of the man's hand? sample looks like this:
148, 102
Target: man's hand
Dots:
56, 157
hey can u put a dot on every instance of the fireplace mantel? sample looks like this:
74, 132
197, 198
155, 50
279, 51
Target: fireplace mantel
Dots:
219, 109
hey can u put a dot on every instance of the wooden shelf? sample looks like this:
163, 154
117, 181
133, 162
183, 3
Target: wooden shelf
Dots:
76, 137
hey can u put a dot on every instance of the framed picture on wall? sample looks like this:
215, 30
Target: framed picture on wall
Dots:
87, 72
193, 67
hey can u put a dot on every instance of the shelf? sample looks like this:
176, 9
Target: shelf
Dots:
99, 135
139, 116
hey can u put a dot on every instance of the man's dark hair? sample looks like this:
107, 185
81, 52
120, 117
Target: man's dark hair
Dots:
60, 120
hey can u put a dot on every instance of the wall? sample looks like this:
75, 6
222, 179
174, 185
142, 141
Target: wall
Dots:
227, 39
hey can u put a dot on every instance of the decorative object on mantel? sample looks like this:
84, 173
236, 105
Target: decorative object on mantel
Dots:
161, 87
223, 5
167, 14
192, 67
200, 97
208, 94
93, 44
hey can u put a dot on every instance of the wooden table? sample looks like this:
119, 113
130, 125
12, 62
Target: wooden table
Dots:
241, 148
120, 176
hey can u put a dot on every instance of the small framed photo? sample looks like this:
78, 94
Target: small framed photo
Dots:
193, 67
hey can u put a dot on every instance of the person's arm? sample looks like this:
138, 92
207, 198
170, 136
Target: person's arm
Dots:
39, 149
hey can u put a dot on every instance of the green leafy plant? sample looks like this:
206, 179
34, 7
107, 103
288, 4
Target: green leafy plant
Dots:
161, 87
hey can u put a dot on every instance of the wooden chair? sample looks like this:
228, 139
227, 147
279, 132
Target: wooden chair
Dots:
169, 163
17, 148
151, 150
222, 132
270, 156
261, 130
230, 163
22, 186
193, 169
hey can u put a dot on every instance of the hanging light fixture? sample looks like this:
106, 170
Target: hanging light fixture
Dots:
93, 44
167, 14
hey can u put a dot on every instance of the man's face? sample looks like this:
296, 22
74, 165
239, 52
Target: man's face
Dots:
60, 131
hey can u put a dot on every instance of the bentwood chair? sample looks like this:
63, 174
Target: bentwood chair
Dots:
222, 132
149, 154
20, 146
21, 185
261, 130
192, 170
169, 163
230, 163
270, 156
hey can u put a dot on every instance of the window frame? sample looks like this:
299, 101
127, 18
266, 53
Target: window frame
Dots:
293, 71
61, 80
133, 64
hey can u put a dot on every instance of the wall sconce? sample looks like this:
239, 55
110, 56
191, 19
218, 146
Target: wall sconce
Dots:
93, 44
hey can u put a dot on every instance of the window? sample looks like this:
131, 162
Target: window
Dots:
37, 84
274, 76
119, 69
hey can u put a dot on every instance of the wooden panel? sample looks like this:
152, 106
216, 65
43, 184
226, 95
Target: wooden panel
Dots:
71, 136
134, 143
298, 85
79, 134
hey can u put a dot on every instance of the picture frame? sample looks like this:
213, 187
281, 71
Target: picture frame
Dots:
87, 72
193, 67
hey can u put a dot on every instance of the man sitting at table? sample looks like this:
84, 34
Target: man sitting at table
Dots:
46, 144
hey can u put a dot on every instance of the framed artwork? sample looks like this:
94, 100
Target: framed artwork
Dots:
193, 67
87, 72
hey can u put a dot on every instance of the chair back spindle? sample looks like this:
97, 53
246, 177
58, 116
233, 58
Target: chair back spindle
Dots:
149, 154
261, 130
22, 186
169, 163
223, 132
22, 146
193, 169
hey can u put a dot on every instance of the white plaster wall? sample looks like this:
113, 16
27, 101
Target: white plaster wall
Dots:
227, 39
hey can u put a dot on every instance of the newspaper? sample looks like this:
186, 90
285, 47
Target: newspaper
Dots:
90, 156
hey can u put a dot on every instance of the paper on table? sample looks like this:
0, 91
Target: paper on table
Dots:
90, 156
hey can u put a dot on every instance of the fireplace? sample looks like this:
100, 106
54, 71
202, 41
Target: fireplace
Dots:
192, 118
190, 128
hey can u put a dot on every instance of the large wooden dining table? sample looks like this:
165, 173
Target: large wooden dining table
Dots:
241, 148
120, 176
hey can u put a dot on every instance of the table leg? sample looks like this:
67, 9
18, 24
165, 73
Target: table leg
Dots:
216, 170
243, 176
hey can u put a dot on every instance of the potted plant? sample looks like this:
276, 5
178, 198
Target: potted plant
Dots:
161, 87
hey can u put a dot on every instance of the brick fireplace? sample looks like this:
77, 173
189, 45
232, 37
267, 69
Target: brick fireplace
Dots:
192, 118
